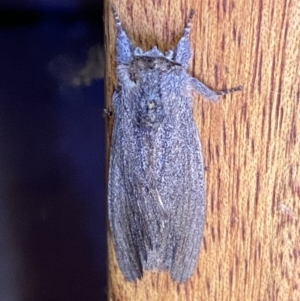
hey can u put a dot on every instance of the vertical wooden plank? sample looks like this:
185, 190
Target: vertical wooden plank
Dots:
250, 139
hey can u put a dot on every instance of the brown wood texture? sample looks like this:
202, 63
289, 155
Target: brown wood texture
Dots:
250, 140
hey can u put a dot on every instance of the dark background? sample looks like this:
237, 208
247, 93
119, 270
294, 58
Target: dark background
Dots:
52, 140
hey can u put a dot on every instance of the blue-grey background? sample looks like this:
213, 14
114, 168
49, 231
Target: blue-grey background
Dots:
52, 156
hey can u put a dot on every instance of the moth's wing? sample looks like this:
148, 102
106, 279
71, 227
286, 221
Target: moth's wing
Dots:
121, 213
188, 215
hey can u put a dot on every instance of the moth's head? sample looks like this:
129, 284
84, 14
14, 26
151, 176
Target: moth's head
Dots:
150, 67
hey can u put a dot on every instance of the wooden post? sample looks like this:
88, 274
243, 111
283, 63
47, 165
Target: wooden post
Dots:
250, 139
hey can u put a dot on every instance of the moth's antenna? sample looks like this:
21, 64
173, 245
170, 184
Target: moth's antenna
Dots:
116, 16
188, 26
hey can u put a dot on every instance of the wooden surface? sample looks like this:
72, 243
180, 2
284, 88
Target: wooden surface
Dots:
251, 145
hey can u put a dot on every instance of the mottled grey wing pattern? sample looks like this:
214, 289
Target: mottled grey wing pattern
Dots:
189, 212
156, 194
121, 208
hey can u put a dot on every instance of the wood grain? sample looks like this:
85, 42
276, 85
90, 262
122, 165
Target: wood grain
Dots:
250, 139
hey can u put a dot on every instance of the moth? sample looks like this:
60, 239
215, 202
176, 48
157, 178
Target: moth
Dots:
156, 189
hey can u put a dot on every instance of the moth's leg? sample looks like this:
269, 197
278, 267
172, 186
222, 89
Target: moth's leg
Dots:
124, 46
182, 52
203, 90
230, 90
208, 93
108, 113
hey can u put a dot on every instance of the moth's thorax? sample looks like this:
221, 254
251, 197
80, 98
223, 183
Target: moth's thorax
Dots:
150, 104
151, 78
